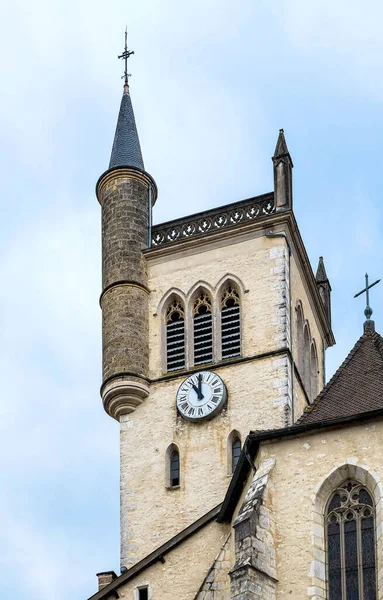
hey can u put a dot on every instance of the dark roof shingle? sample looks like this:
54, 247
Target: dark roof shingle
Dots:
356, 387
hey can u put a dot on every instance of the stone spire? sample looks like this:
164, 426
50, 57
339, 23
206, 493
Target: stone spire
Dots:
283, 165
324, 287
126, 151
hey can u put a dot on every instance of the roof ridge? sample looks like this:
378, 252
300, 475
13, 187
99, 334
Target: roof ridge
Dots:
334, 378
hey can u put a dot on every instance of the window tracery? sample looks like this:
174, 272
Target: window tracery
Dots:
230, 323
175, 336
350, 529
203, 329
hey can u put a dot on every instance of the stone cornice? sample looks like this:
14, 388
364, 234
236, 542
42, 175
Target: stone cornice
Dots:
125, 173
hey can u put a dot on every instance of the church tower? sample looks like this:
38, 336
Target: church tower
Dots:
213, 324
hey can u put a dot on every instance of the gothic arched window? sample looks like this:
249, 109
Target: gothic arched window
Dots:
203, 329
174, 469
235, 453
230, 323
314, 372
175, 336
350, 530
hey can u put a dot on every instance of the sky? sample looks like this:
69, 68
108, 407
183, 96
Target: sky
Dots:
212, 83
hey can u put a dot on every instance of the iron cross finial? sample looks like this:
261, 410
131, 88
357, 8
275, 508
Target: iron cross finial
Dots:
368, 309
125, 55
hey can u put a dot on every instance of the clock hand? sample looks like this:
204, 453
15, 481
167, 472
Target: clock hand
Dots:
200, 394
196, 390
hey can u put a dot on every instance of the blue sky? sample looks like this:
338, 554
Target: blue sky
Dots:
213, 81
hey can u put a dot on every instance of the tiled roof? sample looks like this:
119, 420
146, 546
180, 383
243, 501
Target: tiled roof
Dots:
126, 151
356, 387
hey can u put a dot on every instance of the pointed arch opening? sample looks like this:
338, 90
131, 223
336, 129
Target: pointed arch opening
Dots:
173, 470
230, 320
314, 371
234, 447
300, 346
306, 359
175, 334
202, 328
350, 543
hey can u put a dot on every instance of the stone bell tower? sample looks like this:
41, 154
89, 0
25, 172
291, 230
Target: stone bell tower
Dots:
127, 194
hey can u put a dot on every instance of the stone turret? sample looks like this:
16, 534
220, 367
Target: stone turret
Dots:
324, 287
126, 193
283, 176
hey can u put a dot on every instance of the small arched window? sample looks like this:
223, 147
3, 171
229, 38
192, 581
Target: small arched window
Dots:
351, 554
203, 329
235, 453
174, 469
230, 323
175, 336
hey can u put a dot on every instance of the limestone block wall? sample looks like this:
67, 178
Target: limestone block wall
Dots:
151, 513
216, 585
185, 568
260, 267
306, 470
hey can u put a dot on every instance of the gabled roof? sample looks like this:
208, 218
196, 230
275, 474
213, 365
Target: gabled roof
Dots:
354, 394
126, 151
356, 387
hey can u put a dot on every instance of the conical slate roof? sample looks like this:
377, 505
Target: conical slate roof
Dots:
126, 151
356, 387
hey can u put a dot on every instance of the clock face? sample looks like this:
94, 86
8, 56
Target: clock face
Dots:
201, 396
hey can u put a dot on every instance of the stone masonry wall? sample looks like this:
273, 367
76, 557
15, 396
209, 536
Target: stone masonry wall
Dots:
216, 585
307, 469
254, 573
125, 222
125, 330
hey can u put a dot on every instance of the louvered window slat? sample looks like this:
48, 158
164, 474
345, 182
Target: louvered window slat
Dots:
230, 324
203, 338
175, 337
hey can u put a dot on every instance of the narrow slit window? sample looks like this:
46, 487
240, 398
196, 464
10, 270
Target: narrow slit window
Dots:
230, 323
174, 469
203, 330
143, 593
350, 531
175, 336
235, 453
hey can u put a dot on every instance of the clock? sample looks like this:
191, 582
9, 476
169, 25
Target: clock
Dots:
201, 396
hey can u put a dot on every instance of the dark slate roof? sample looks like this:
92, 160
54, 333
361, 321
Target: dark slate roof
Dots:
356, 387
321, 275
281, 147
126, 151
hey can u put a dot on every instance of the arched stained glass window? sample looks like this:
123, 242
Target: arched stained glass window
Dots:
175, 336
230, 323
203, 329
174, 469
350, 527
235, 452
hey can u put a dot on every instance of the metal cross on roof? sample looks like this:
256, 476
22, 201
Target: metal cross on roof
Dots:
368, 309
125, 55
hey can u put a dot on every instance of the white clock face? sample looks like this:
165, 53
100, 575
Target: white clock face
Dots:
201, 396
